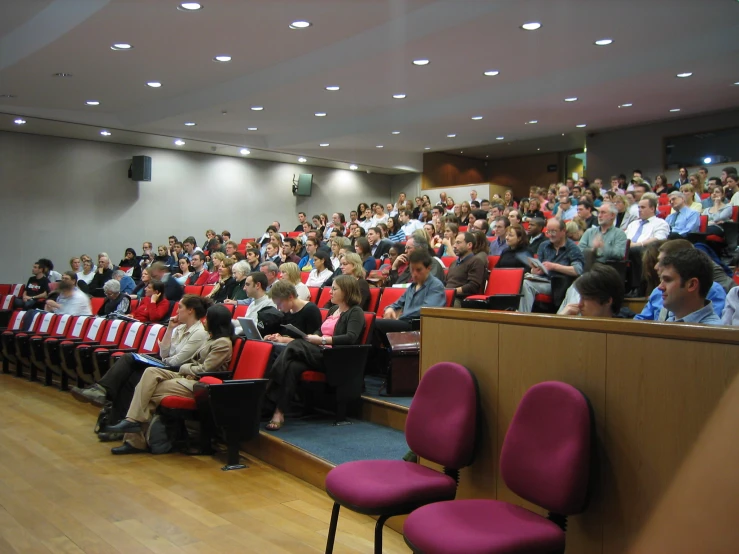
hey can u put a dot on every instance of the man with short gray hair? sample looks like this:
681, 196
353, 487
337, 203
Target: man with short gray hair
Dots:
683, 220
127, 284
115, 301
604, 242
400, 271
271, 270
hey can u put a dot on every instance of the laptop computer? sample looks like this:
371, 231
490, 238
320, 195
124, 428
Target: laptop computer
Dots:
151, 360
251, 331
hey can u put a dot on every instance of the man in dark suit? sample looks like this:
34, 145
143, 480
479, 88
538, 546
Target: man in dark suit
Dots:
379, 247
536, 233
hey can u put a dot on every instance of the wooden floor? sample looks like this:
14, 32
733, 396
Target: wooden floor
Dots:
62, 491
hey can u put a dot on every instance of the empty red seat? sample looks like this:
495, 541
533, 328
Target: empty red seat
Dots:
501, 293
389, 296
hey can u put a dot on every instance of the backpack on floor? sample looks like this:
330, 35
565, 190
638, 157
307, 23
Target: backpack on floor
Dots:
161, 434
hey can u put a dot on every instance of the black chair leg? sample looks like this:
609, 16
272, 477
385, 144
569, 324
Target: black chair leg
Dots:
47, 378
378, 533
6, 368
332, 528
232, 441
341, 414
64, 381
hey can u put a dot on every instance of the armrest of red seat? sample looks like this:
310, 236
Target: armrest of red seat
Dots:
220, 375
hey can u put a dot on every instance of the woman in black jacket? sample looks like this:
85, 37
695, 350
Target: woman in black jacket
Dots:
343, 326
518, 249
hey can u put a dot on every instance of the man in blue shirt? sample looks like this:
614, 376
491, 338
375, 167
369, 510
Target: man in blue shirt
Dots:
425, 290
566, 210
685, 279
127, 284
684, 220
499, 245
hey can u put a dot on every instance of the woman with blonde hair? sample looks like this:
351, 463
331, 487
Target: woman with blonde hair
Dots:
217, 258
351, 264
291, 274
690, 200
226, 282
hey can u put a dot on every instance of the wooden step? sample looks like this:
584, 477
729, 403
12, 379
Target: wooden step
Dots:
383, 412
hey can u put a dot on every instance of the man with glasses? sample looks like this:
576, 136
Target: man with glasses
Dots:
566, 211
643, 232
562, 261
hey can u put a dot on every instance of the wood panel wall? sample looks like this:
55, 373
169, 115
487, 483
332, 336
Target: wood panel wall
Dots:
652, 387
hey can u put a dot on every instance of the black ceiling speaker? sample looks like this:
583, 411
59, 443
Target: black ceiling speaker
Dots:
140, 169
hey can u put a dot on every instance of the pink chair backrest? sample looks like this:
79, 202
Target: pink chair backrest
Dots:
546, 452
442, 421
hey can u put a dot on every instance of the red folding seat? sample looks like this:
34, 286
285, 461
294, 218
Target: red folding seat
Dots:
7, 302
102, 355
95, 304
663, 211
148, 345
324, 297
304, 276
17, 290
52, 360
35, 344
4, 289
197, 290
207, 289
15, 325
389, 295
68, 364
344, 378
503, 291
374, 298
314, 292
83, 353
240, 311
492, 262
448, 260
43, 326
134, 305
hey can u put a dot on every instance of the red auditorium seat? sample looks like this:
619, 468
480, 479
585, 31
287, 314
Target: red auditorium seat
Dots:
42, 326
102, 355
314, 292
96, 303
304, 276
20, 324
388, 296
61, 327
324, 297
197, 290
502, 291
95, 332
663, 211
373, 299
240, 311
448, 260
207, 289
52, 347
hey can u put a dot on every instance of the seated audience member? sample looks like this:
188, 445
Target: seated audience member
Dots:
585, 213
154, 307
75, 264
682, 220
337, 244
191, 246
731, 308
288, 251
299, 313
235, 293
379, 216
226, 284
255, 287
642, 232
481, 246
131, 264
565, 210
351, 264
425, 290
363, 249
575, 229
231, 248
467, 275
514, 217
653, 310
517, 252
394, 231
311, 247
115, 301
322, 269
103, 274
156, 383
536, 234
217, 261
690, 199
731, 187
600, 293
158, 271
534, 210
605, 242
71, 300
139, 290
301, 221
661, 185
199, 274
624, 217
686, 277
184, 336
343, 326
127, 284
253, 259
409, 223
86, 274
400, 270
498, 245
271, 270
184, 272
563, 262
147, 255
718, 214
226, 235
446, 248
291, 274
37, 289
378, 246
272, 253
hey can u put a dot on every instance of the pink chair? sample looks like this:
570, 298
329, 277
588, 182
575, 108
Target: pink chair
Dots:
545, 459
441, 427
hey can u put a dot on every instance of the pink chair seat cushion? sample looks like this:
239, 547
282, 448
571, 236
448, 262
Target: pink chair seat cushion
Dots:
178, 403
377, 484
481, 527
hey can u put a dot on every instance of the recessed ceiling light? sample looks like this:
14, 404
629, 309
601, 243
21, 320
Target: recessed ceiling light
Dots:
684, 75
62, 74
538, 149
451, 135
531, 26
190, 6
190, 124
257, 108
20, 121
353, 167
487, 156
380, 146
491, 72
580, 125
499, 138
320, 114
179, 142
399, 96
476, 118
324, 144
675, 110
302, 160
244, 152
252, 128
572, 99
300, 24
604, 42
121, 46
737, 83
532, 122
154, 84
105, 133
394, 132
92, 103
427, 148
421, 62
333, 87
707, 160
9, 96
222, 59
625, 105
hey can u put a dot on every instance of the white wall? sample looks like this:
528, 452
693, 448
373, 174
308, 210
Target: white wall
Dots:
62, 197
642, 147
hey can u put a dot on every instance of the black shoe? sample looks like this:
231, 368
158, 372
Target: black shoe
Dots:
110, 437
126, 448
124, 426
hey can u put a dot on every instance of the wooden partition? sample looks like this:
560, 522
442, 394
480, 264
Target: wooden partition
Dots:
652, 387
